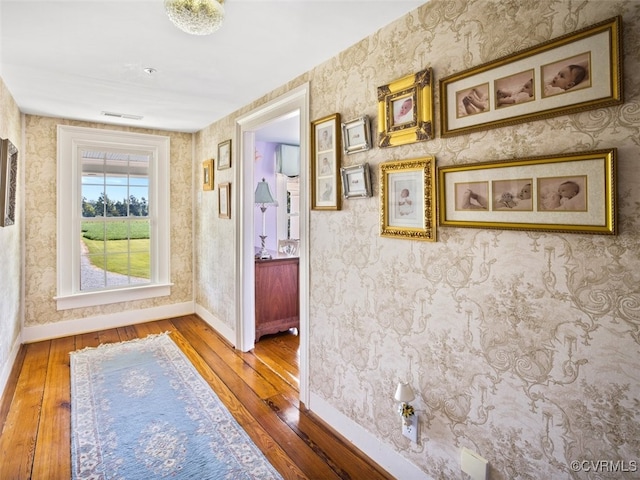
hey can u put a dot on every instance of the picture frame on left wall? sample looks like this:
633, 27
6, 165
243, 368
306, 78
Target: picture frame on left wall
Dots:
224, 155
207, 174
224, 200
8, 182
326, 148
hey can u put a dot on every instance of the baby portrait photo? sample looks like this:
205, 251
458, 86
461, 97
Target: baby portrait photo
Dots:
472, 196
563, 193
325, 165
325, 139
518, 88
473, 100
403, 111
512, 195
567, 75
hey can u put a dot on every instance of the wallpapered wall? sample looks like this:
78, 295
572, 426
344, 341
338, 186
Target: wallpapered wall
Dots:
10, 246
40, 166
522, 346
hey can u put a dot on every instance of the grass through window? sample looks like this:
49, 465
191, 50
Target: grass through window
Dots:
119, 247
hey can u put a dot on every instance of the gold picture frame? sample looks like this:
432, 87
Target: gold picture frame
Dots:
224, 200
571, 193
576, 72
224, 155
8, 182
405, 110
207, 174
326, 148
407, 199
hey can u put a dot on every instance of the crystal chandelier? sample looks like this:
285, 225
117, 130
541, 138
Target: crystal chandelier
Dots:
197, 17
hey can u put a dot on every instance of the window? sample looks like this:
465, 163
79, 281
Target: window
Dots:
113, 211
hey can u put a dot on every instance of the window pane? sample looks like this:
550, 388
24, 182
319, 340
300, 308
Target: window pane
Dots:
118, 267
92, 275
93, 231
117, 204
138, 206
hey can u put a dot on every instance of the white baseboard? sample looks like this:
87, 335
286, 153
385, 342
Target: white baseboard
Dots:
373, 447
103, 322
8, 366
215, 323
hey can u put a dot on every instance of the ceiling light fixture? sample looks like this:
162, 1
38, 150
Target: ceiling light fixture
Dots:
197, 17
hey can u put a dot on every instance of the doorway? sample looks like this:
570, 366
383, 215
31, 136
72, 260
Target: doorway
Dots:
249, 128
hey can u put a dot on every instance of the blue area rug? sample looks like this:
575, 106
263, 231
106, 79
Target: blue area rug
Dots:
140, 410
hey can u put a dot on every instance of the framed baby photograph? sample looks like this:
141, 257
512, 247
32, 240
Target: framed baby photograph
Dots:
405, 110
224, 155
326, 149
207, 174
407, 199
224, 200
573, 193
576, 72
356, 181
356, 135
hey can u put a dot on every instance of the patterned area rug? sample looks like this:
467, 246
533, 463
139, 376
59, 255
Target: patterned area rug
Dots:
140, 410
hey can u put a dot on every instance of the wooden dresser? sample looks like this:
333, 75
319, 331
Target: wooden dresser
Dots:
277, 298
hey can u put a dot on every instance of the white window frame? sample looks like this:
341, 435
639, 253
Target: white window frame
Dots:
70, 140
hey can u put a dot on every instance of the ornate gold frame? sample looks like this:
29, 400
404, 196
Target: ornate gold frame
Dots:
592, 212
416, 220
207, 174
599, 44
417, 127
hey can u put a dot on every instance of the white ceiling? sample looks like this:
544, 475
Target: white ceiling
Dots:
77, 59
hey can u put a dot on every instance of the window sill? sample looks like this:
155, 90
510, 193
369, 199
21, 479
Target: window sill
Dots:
119, 295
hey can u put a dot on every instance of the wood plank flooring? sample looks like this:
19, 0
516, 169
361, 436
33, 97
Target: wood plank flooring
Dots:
260, 388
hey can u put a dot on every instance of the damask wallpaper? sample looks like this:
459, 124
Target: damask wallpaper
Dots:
521, 346
40, 224
10, 246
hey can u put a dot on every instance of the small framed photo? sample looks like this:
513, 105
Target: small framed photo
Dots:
572, 193
224, 155
407, 199
8, 182
356, 181
356, 135
207, 174
405, 110
326, 148
572, 73
224, 200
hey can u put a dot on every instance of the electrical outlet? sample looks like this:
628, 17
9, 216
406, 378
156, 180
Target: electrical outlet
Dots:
474, 465
411, 431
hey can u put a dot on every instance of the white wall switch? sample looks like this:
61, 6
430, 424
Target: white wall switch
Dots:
411, 431
474, 465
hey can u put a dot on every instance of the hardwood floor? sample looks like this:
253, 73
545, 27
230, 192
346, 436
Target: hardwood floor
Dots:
260, 388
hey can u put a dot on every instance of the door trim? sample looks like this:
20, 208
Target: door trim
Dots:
296, 100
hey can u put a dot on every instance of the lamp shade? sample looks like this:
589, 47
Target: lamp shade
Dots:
404, 393
263, 194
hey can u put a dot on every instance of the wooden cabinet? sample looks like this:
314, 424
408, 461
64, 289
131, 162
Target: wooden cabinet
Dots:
277, 298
